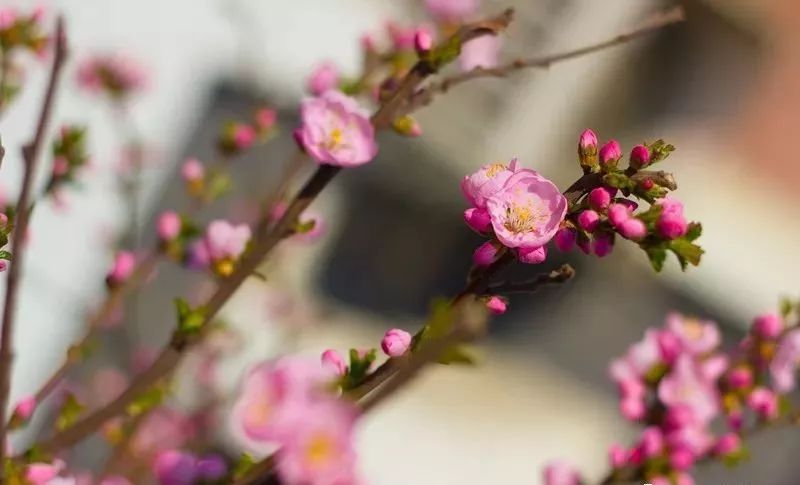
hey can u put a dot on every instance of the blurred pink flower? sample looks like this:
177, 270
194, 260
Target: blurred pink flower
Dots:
783, 367
452, 10
122, 268
482, 52
686, 385
696, 336
336, 131
224, 240
323, 78
560, 472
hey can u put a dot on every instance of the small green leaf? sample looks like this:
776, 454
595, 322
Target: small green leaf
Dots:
189, 320
305, 227
459, 354
146, 401
360, 365
657, 256
686, 251
693, 231
5, 254
439, 323
618, 180
787, 305
69, 413
243, 465
659, 150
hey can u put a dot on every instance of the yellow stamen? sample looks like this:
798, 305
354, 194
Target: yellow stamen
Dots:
224, 267
320, 450
521, 219
335, 139
495, 169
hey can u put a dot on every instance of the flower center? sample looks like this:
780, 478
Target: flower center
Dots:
320, 450
335, 138
521, 218
495, 169
693, 328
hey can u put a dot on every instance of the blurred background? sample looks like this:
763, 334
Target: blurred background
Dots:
724, 87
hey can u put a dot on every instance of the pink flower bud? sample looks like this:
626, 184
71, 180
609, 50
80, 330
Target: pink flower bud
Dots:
764, 402
192, 170
532, 255
174, 466
602, 245
3, 265
587, 150
632, 409
632, 387
670, 206
60, 166
395, 342
678, 417
324, 78
478, 220
640, 157
265, 118
560, 473
618, 213
768, 326
610, 153
671, 225
124, 264
647, 184
617, 456
496, 305
565, 239
367, 43
669, 345
486, 254
599, 199
423, 41
652, 442
588, 220
243, 136
681, 459
588, 140
633, 229
727, 444
25, 408
333, 361
740, 377
169, 225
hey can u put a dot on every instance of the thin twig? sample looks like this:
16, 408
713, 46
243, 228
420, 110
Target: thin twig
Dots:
555, 277
31, 153
593, 180
266, 239
659, 21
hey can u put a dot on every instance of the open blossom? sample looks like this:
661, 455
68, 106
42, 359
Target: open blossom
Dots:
336, 131
319, 449
527, 211
225, 240
783, 367
696, 336
44, 473
486, 182
480, 52
452, 10
324, 78
686, 385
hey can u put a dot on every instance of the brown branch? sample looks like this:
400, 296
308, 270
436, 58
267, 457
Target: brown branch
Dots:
659, 21
31, 153
265, 240
593, 180
555, 277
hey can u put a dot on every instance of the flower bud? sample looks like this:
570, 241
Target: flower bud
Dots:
633, 229
764, 402
652, 442
407, 126
423, 41
588, 220
647, 184
25, 408
486, 254
211, 468
496, 305
243, 136
478, 220
640, 157
740, 377
768, 326
610, 153
532, 255
395, 342
587, 150
618, 213
599, 199
632, 408
122, 269
265, 119
671, 225
174, 466
728, 444
565, 239
602, 244
169, 225
617, 456
333, 361
192, 170
324, 78
681, 459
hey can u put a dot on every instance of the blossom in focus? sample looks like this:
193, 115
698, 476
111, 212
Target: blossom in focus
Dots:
325, 77
482, 51
527, 212
395, 342
336, 131
486, 182
452, 11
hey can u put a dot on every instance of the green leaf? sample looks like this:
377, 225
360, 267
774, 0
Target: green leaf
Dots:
787, 305
659, 150
69, 413
657, 256
243, 465
305, 227
189, 320
693, 231
445, 53
359, 366
439, 323
618, 180
687, 252
5, 255
459, 354
146, 401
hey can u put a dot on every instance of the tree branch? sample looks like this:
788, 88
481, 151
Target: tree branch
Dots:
555, 277
31, 153
591, 181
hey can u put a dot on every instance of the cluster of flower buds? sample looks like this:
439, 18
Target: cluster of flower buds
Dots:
395, 343
237, 137
679, 384
114, 75
22, 31
289, 403
69, 156
598, 215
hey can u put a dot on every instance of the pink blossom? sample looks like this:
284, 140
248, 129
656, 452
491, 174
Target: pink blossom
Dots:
617, 456
265, 118
783, 367
486, 254
565, 239
123, 267
527, 211
8, 17
402, 37
610, 152
60, 166
632, 408
640, 157
599, 199
602, 244
645, 354
681, 459
764, 402
453, 11
695, 438
225, 240
532, 255
697, 336
333, 361
714, 366
478, 220
686, 385
3, 265
588, 220
192, 170
671, 226
115, 74
395, 342
496, 305
243, 136
423, 40
169, 225
323, 78
652, 442
618, 214
633, 229
742, 377
43, 473
25, 408
727, 444
336, 131
486, 182
670, 206
560, 473
162, 429
319, 450
481, 52
174, 467
587, 140
679, 416
768, 325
